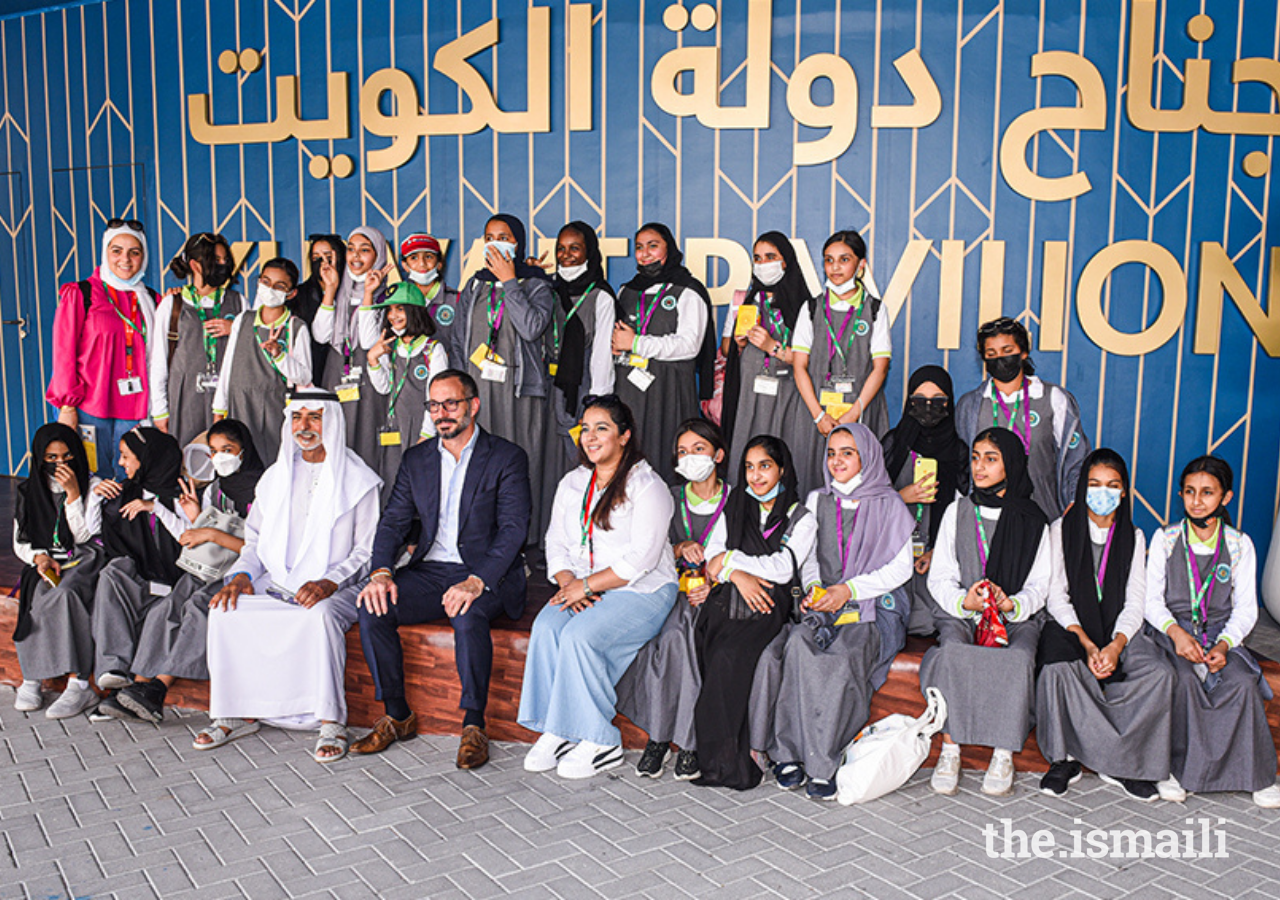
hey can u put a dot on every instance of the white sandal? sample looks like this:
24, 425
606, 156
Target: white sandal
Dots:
332, 734
224, 731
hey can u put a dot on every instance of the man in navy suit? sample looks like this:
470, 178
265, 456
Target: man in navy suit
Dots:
470, 490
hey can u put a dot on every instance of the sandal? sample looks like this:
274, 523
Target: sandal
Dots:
331, 735
224, 731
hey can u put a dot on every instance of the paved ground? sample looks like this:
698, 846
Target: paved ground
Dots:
131, 811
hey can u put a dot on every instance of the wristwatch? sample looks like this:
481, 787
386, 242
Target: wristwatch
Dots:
587, 593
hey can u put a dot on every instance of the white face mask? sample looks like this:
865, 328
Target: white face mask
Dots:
842, 287
769, 273
847, 487
56, 486
423, 278
572, 273
226, 463
695, 467
398, 332
358, 279
506, 248
269, 297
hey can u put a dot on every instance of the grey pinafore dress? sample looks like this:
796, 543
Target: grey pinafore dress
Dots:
61, 637
256, 394
191, 409
406, 409
365, 414
1042, 461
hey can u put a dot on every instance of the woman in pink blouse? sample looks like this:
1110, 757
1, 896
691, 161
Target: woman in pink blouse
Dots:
100, 338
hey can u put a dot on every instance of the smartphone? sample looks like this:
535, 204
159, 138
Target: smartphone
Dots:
52, 578
925, 466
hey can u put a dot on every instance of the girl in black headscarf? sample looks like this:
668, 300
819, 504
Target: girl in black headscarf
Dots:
579, 358
664, 343
56, 513
172, 641
760, 393
993, 541
142, 555
755, 556
1104, 692
504, 311
925, 441
328, 257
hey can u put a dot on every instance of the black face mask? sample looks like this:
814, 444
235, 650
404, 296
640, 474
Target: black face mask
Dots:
1204, 523
990, 496
1004, 369
47, 469
651, 270
219, 274
928, 411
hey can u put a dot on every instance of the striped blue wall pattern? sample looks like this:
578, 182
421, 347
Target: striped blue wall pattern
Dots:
94, 125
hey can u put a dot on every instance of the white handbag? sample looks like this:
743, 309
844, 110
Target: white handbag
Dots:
888, 752
211, 561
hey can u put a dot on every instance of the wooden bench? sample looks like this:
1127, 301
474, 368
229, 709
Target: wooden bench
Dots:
433, 689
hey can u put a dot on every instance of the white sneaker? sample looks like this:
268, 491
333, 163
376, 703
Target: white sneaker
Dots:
589, 759
999, 778
113, 681
1268, 797
946, 775
546, 753
73, 701
29, 697
1170, 790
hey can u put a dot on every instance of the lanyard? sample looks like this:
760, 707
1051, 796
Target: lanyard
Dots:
837, 341
555, 326
1023, 402
408, 364
983, 545
496, 308
128, 321
1102, 565
214, 312
686, 512
643, 314
588, 523
919, 506
286, 323
773, 325
844, 547
1201, 593
768, 533
57, 522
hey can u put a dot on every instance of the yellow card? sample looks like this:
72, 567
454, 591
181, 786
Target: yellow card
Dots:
638, 362
849, 618
748, 316
389, 438
817, 594
349, 394
481, 354
831, 398
91, 454
576, 433
836, 410
689, 582
552, 369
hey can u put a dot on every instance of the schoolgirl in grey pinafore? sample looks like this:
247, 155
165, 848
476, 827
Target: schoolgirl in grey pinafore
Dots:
197, 360
406, 404
1221, 739
256, 391
660, 689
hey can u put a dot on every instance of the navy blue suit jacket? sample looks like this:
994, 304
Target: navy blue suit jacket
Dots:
493, 516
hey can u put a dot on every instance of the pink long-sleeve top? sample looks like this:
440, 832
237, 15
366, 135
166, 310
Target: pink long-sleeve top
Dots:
90, 349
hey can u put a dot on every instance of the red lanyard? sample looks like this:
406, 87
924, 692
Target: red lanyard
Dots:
128, 321
588, 523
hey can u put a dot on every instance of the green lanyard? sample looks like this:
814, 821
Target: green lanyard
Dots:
57, 523
408, 364
215, 312
555, 327
287, 325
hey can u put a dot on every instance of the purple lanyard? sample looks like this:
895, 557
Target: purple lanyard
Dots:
644, 315
768, 533
1201, 591
687, 512
844, 546
1025, 403
1102, 565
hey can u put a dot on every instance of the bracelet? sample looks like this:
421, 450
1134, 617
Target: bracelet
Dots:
381, 571
587, 593
820, 417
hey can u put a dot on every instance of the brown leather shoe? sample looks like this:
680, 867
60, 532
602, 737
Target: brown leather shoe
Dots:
386, 731
473, 750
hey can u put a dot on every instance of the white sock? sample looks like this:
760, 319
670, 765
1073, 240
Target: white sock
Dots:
28, 683
950, 749
79, 684
1007, 754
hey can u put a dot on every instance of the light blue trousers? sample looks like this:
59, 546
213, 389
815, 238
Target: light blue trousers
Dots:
575, 660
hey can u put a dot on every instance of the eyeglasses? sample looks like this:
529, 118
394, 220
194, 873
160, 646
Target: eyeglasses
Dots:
131, 224
451, 405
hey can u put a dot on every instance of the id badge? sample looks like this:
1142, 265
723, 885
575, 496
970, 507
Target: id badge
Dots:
129, 386
493, 371
552, 369
638, 362
830, 398
767, 385
641, 379
389, 438
348, 393
917, 548
207, 382
842, 387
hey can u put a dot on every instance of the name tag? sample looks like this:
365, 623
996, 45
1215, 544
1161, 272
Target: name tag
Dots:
638, 362
842, 387
493, 371
389, 438
917, 549
767, 385
349, 393
641, 379
830, 398
159, 590
483, 354
129, 386
207, 382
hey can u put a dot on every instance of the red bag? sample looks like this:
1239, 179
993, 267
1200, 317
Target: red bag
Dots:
991, 631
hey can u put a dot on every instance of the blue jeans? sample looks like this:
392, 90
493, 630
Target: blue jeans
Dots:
575, 660
109, 433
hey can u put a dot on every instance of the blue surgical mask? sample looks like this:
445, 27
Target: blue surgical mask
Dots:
773, 492
506, 248
1102, 501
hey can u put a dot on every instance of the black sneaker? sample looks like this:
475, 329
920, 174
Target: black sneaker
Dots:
111, 707
790, 775
687, 766
817, 789
145, 699
1059, 777
1144, 791
652, 760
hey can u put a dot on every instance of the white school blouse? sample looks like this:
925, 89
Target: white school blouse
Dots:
686, 340
772, 567
949, 591
294, 363
84, 518
636, 545
1129, 622
1244, 590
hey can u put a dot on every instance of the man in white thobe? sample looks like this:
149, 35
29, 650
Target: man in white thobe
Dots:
277, 645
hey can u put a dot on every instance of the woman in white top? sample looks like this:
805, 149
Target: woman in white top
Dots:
1104, 692
992, 543
617, 580
1202, 598
55, 515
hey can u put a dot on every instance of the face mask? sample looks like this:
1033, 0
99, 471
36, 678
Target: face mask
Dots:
506, 248
768, 273
773, 492
55, 487
219, 274
1004, 369
849, 486
695, 467
358, 279
1207, 520
1102, 501
226, 463
926, 413
48, 468
398, 332
269, 297
423, 278
572, 273
650, 270
839, 288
